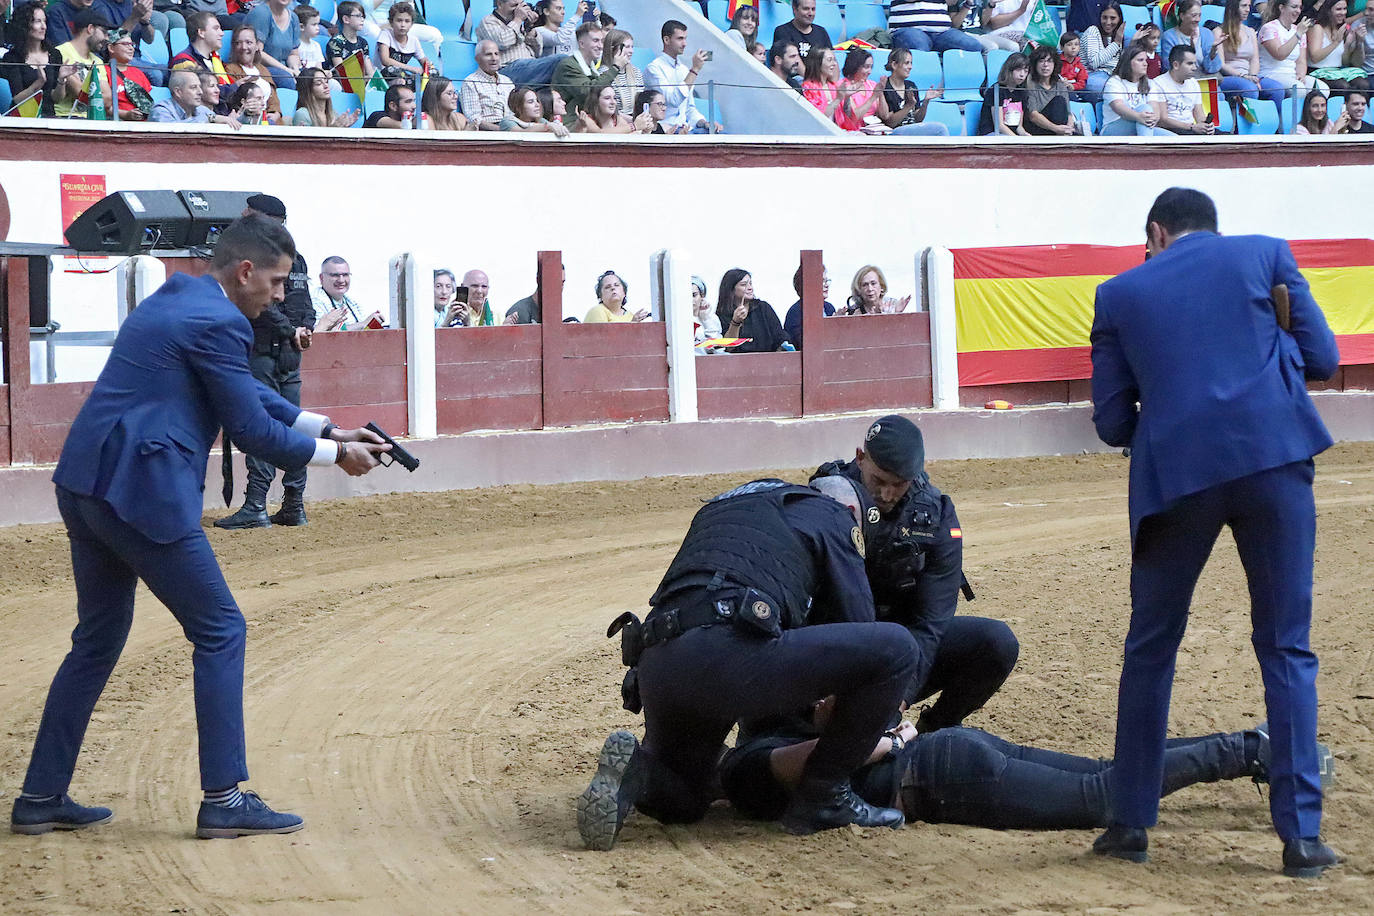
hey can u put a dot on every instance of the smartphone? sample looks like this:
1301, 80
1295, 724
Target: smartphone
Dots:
590, 15
1210, 119
461, 295
710, 55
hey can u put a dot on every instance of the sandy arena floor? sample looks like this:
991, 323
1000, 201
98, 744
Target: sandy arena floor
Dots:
428, 685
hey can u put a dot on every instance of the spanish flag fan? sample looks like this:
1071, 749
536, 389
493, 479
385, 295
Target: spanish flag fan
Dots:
736, 4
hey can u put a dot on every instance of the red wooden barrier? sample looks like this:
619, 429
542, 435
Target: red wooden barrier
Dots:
357, 376
4, 424
749, 385
51, 409
489, 378
604, 373
869, 362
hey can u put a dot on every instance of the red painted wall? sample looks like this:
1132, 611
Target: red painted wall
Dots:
356, 377
489, 378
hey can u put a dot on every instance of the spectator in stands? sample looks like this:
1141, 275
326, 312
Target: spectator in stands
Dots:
759, 51
62, 17
246, 51
612, 296
629, 82
651, 102
447, 308
600, 114
310, 52
440, 104
478, 285
669, 75
530, 310
802, 30
1331, 44
1283, 44
381, 18
868, 294
1239, 51
1364, 51
203, 51
930, 25
143, 24
859, 95
184, 107
486, 91
279, 31
557, 30
399, 50
744, 316
784, 59
248, 102
577, 73
133, 91
900, 105
398, 105
744, 28
1314, 120
333, 307
792, 325
1070, 64
80, 56
526, 114
32, 64
1004, 101
1190, 34
821, 87
211, 94
315, 102
510, 24
1130, 105
703, 313
349, 41
1102, 46
1148, 37
1006, 22
1356, 105
553, 106
219, 8
1178, 89
1047, 96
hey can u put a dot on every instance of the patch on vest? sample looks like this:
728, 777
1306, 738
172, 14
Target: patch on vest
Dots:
857, 537
874, 516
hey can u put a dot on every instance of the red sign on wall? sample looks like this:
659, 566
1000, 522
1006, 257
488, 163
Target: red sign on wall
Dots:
77, 193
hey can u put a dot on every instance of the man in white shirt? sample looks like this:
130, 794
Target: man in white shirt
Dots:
1182, 96
485, 94
675, 80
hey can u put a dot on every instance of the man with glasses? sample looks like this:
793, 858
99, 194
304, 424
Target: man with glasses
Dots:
792, 325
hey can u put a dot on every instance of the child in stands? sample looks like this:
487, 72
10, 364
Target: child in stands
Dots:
1070, 64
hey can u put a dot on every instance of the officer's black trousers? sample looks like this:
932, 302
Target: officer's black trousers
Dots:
695, 687
975, 656
260, 473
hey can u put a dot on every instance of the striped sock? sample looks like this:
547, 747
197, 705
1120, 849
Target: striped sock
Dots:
35, 797
225, 798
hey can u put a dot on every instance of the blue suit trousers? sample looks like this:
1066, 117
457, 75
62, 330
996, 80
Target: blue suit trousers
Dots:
1272, 516
108, 558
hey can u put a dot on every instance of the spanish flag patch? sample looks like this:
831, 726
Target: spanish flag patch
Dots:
956, 532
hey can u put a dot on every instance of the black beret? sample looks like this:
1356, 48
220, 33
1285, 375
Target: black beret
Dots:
267, 205
895, 445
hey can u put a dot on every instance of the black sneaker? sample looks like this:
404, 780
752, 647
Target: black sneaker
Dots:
1308, 858
251, 817
605, 804
825, 807
31, 817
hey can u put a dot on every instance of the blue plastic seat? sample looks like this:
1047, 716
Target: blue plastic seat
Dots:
177, 41
323, 41
160, 94
860, 15
328, 12
1085, 114
716, 11
6, 97
642, 57
964, 75
374, 100
459, 59
972, 112
827, 17
926, 71
447, 16
1226, 118
1334, 106
1269, 121
996, 58
768, 19
344, 102
1133, 17
226, 45
155, 53
288, 100
1212, 13
946, 113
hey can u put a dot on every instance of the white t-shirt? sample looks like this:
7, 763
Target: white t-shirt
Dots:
1118, 90
1010, 6
1179, 98
1282, 71
411, 46
312, 55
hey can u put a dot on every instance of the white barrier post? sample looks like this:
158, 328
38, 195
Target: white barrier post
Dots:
412, 302
138, 278
670, 285
944, 345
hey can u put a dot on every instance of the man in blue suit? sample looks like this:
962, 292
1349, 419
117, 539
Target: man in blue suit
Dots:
129, 488
1192, 372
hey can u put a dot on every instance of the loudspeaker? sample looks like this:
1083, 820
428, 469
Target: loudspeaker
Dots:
40, 291
130, 222
210, 212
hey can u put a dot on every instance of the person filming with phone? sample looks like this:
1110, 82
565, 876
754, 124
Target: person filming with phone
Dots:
670, 76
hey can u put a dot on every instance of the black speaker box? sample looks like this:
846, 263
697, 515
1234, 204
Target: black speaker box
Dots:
130, 222
210, 212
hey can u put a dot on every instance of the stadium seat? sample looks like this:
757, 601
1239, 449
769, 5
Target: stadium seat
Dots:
155, 53
996, 57
344, 102
374, 100
1134, 17
1334, 106
323, 41
433, 53
946, 113
328, 13
160, 94
880, 56
459, 59
716, 11
1226, 118
288, 100
768, 19
642, 57
828, 18
1085, 114
964, 75
1268, 114
861, 15
1212, 13
448, 16
177, 41
6, 98
226, 45
925, 69
972, 112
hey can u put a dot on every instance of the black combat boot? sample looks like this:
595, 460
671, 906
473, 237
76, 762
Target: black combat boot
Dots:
253, 514
292, 511
825, 806
1122, 842
1308, 858
608, 801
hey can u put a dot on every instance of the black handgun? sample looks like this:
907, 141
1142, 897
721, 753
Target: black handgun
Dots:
398, 455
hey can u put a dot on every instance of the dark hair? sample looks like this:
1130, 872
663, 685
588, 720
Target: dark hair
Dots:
234, 39
778, 50
17, 32
514, 100
333, 259
305, 13
725, 302
1183, 210
245, 86
400, 8
253, 238
1123, 65
1044, 52
321, 113
740, 14
1067, 37
1324, 14
1312, 124
1184, 6
429, 102
587, 28
815, 59
541, 9
1177, 51
623, 285
1120, 21
1362, 93
393, 95
347, 7
671, 26
642, 102
615, 40
1014, 61
593, 101
198, 22
546, 95
854, 62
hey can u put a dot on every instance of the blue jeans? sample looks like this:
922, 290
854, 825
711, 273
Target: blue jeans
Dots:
915, 39
1092, 89
1123, 128
931, 129
156, 73
109, 557
532, 71
284, 80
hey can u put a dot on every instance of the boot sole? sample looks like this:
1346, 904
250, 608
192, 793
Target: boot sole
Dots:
266, 524
49, 826
229, 833
1139, 858
598, 808
806, 828
1306, 871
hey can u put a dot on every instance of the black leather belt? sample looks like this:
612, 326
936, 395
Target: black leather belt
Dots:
698, 610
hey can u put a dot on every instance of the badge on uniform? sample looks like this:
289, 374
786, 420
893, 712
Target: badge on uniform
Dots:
874, 516
759, 614
857, 537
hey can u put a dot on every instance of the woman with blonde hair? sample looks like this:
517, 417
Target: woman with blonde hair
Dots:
868, 294
630, 81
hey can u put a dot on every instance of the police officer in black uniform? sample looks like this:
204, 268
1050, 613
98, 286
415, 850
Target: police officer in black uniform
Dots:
280, 333
765, 609
915, 566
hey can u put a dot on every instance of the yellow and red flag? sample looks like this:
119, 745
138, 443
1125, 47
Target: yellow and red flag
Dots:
734, 6
352, 74
1212, 99
32, 107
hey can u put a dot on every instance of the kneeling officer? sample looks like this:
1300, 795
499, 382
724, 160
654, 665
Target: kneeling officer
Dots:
764, 610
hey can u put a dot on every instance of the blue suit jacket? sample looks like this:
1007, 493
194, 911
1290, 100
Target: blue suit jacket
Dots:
1191, 335
177, 374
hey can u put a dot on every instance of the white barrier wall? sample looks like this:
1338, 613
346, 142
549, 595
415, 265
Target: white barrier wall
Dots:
496, 216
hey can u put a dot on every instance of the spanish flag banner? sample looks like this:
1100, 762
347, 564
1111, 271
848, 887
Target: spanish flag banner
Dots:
1211, 97
32, 107
352, 74
734, 6
1023, 314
